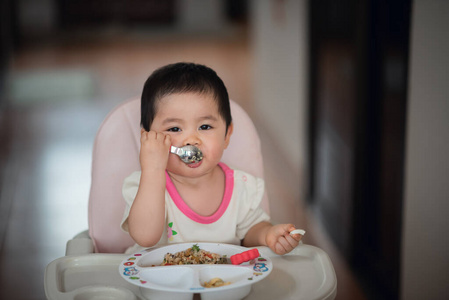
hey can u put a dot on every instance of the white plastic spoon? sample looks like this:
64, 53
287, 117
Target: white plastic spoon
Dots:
298, 231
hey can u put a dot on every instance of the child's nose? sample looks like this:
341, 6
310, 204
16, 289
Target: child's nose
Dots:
192, 139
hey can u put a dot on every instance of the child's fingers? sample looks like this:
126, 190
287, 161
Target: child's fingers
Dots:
291, 238
147, 136
297, 234
283, 229
285, 244
293, 241
153, 136
297, 237
288, 242
164, 139
282, 246
282, 242
167, 140
279, 249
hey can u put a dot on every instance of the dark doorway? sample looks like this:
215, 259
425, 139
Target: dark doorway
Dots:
359, 57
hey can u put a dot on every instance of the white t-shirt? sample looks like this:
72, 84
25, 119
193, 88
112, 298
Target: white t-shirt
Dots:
239, 211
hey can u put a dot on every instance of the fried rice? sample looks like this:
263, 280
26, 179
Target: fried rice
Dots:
193, 256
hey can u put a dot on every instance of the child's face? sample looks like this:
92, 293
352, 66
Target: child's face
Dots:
192, 119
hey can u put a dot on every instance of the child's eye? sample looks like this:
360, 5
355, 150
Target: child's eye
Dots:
205, 127
174, 129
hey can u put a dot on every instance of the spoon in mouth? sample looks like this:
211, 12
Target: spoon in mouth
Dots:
188, 154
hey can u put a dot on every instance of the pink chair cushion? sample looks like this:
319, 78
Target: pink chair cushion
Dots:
116, 155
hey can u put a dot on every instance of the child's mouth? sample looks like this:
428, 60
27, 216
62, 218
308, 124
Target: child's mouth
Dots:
195, 165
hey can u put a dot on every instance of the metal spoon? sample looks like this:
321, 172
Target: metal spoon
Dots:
188, 154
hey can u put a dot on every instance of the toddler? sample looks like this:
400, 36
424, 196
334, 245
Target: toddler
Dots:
169, 201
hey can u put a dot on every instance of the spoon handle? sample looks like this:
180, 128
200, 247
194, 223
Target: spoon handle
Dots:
239, 258
176, 150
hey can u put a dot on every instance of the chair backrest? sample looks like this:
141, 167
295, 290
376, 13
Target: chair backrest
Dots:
116, 155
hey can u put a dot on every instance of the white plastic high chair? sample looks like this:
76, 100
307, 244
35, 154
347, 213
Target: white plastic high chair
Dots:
90, 268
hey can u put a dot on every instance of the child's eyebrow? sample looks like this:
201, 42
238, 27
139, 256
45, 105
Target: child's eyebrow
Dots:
171, 120
179, 120
208, 117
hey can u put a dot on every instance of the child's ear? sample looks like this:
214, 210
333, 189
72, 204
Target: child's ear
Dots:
228, 134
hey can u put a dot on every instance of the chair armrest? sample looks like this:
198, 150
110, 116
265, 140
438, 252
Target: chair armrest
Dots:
80, 244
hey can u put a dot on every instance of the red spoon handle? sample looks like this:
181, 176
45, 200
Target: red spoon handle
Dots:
237, 259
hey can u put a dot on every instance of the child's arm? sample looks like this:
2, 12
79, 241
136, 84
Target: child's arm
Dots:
277, 237
147, 215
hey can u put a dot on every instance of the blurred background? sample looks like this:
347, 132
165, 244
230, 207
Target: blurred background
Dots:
350, 99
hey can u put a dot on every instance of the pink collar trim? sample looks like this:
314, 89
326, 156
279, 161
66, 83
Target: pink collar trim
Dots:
186, 210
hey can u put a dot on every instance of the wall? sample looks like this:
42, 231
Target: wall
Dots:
425, 260
279, 36
199, 15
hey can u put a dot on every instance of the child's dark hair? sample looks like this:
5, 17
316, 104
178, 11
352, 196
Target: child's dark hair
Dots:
182, 78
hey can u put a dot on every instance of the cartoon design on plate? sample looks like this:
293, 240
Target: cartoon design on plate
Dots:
260, 267
131, 271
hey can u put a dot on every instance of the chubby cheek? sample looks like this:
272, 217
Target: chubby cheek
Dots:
213, 154
173, 162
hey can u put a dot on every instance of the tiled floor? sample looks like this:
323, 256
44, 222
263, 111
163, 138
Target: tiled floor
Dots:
61, 90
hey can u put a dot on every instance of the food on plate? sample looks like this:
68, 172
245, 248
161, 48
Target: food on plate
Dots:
193, 256
215, 282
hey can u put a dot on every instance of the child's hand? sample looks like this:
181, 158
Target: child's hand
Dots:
279, 240
154, 150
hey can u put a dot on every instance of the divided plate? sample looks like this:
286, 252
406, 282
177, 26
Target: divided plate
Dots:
182, 281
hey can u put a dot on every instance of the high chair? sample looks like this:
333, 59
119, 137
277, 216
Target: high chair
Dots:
90, 268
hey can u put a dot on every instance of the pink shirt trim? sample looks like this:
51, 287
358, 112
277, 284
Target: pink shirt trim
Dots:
186, 210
